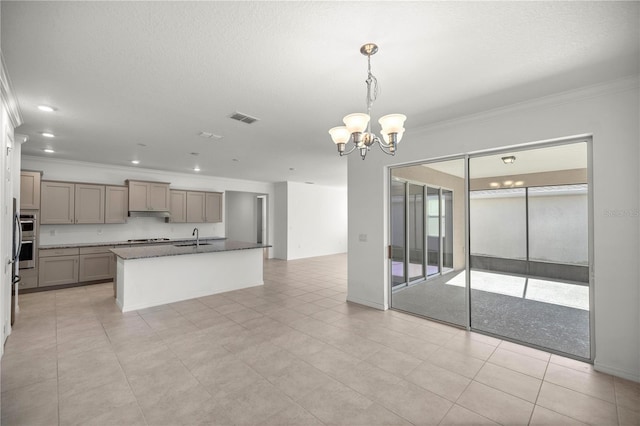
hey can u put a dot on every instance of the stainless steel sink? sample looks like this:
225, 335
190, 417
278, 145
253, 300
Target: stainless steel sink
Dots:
192, 244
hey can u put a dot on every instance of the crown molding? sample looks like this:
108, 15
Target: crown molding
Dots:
9, 101
152, 173
623, 84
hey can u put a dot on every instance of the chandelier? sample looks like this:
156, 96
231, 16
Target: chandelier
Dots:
358, 126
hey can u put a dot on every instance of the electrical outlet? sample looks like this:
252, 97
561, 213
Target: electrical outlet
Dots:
362, 238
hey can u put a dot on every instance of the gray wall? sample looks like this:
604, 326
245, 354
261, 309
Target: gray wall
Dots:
241, 215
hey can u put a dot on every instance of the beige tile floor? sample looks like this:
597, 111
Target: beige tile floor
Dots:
292, 352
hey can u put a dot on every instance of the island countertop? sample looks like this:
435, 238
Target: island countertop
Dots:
206, 246
140, 242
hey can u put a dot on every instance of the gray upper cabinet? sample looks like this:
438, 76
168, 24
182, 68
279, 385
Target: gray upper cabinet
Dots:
148, 196
213, 208
116, 204
89, 203
159, 196
195, 207
30, 190
57, 203
178, 206
138, 195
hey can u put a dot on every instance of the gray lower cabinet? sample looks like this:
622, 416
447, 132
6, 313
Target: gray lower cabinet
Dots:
58, 266
74, 265
28, 278
96, 266
96, 263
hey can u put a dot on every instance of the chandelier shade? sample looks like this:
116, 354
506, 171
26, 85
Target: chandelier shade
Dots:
357, 126
340, 134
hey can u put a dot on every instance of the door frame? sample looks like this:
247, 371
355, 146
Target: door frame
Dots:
588, 140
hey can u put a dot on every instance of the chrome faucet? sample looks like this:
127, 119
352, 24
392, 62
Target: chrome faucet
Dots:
197, 234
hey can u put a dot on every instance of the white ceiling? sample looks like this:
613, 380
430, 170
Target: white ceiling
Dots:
158, 73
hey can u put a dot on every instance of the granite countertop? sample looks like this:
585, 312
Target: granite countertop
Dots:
128, 243
211, 246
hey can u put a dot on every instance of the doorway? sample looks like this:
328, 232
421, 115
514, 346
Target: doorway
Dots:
427, 234
524, 216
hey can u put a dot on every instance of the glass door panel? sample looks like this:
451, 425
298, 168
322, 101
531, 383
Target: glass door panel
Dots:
415, 232
398, 220
430, 219
529, 247
433, 231
447, 230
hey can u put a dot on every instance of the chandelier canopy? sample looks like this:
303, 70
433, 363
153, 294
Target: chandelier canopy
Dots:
357, 126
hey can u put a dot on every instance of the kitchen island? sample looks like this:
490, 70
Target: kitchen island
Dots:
156, 275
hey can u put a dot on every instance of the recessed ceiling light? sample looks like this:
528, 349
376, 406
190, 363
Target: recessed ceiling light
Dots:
235, 159
291, 168
142, 144
310, 183
135, 162
195, 154
48, 135
509, 159
196, 169
46, 108
48, 150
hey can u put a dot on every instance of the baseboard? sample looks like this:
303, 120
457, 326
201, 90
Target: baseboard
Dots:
368, 303
635, 377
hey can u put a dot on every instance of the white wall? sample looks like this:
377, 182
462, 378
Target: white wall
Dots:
9, 188
138, 227
610, 113
280, 220
316, 220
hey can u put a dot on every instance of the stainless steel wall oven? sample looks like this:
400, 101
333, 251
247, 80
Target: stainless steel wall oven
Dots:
28, 234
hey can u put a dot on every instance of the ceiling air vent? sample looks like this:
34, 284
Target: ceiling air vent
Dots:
243, 117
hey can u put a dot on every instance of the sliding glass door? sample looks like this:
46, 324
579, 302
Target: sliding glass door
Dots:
428, 275
528, 244
398, 237
529, 247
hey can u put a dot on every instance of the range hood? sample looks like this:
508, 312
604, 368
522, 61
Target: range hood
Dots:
150, 213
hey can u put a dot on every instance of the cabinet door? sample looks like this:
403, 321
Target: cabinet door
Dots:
89, 205
28, 278
178, 208
159, 196
57, 270
29, 190
116, 204
213, 208
138, 196
57, 203
195, 207
96, 267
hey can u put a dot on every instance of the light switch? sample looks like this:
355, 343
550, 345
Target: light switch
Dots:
362, 238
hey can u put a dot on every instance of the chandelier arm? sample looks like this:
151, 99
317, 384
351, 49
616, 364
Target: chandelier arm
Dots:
383, 147
342, 154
